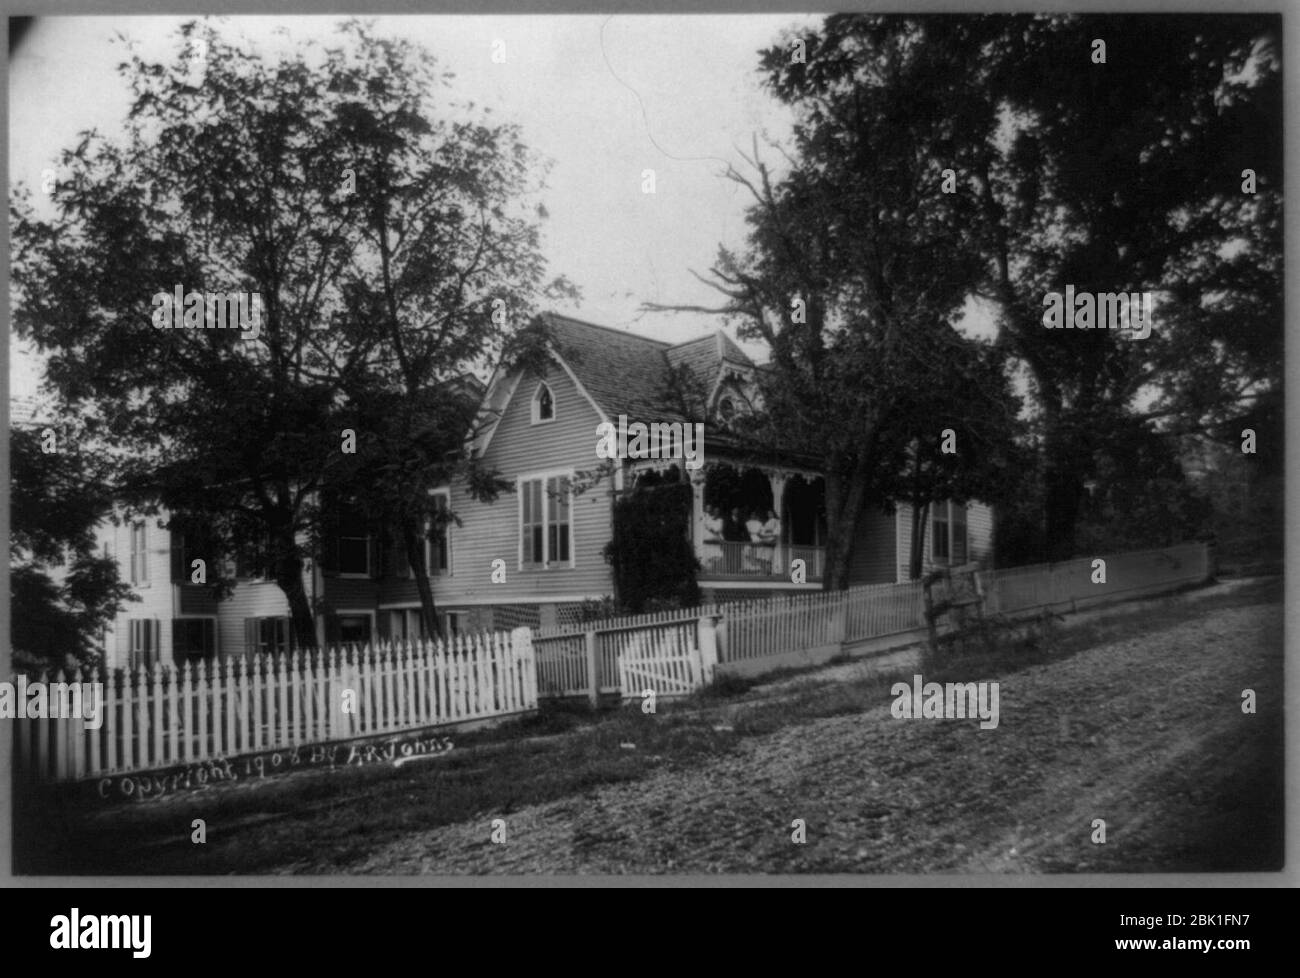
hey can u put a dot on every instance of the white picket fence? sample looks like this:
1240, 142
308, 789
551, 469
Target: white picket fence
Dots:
801, 622
168, 717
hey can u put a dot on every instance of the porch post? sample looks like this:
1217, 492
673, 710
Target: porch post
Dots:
697, 513
780, 559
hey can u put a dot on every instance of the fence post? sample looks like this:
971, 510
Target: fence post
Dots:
593, 670
523, 667
707, 633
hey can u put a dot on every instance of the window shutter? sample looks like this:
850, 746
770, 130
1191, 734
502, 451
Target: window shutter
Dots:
179, 576
133, 548
250, 636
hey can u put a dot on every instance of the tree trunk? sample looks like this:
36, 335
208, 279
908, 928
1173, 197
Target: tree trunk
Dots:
920, 513
288, 575
1061, 505
920, 510
834, 517
413, 541
844, 507
1063, 470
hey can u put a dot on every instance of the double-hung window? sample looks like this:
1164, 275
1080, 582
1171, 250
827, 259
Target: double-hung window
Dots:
145, 641
268, 636
353, 539
545, 521
948, 533
193, 638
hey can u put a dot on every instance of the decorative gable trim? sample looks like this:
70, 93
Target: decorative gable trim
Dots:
511, 384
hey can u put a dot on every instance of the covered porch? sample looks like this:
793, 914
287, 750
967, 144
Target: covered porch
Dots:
750, 523
755, 523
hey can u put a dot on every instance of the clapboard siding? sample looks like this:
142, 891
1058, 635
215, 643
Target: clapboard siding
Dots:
490, 531
873, 559
349, 592
402, 591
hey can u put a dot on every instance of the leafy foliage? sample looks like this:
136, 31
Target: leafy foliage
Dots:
1125, 176
62, 593
650, 550
388, 236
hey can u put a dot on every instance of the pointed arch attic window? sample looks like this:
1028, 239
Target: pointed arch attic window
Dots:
543, 405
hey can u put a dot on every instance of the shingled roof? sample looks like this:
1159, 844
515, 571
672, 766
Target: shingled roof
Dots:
627, 374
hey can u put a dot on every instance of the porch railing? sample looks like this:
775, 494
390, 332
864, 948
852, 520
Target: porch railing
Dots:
767, 560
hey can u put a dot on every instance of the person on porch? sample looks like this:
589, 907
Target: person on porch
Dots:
757, 556
769, 535
737, 538
714, 526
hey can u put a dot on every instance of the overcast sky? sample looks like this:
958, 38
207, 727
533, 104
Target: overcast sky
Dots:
603, 97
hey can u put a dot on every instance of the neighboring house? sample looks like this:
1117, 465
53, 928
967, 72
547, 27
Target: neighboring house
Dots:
534, 555
177, 619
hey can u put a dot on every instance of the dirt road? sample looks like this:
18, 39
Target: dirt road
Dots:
1147, 734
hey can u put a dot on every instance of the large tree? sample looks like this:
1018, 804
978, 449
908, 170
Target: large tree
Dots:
445, 277
1127, 175
1064, 169
335, 196
857, 263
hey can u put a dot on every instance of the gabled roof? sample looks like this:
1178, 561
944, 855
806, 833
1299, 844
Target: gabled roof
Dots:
699, 355
728, 351
627, 374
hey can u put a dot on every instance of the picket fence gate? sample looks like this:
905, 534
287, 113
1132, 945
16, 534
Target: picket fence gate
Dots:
587, 663
667, 662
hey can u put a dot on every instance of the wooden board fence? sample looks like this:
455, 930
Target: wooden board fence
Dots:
1068, 584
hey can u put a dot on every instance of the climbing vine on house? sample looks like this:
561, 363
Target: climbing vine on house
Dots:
650, 550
